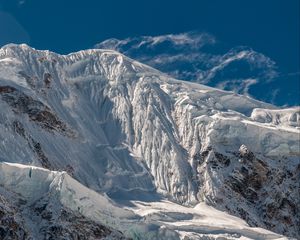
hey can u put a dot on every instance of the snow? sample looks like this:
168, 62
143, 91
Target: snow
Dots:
33, 183
243, 150
199, 221
288, 118
135, 132
17, 177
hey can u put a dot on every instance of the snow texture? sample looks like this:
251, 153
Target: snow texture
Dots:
125, 131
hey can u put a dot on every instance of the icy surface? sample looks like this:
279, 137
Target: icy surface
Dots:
289, 117
149, 220
127, 131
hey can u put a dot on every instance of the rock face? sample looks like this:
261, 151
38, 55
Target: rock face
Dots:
264, 193
10, 227
123, 128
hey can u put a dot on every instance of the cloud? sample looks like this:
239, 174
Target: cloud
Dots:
21, 2
188, 40
186, 55
253, 64
200, 57
240, 86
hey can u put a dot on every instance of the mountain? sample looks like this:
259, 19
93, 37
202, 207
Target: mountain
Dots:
97, 145
43, 204
200, 57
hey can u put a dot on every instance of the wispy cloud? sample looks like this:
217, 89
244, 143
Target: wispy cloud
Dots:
189, 40
240, 86
21, 2
199, 57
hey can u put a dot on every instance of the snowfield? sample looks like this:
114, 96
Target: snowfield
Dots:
121, 144
148, 220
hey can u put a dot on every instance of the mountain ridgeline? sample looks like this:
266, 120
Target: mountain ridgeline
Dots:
127, 132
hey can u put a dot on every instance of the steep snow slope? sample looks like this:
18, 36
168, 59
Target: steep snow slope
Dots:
52, 204
125, 129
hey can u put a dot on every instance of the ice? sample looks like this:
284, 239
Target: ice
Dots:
123, 129
137, 217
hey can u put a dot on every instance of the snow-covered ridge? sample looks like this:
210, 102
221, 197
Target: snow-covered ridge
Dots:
289, 117
33, 183
19, 178
125, 129
82, 63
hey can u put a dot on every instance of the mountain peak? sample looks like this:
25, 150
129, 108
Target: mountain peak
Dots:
132, 133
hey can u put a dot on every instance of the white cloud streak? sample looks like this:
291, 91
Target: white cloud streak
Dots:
199, 57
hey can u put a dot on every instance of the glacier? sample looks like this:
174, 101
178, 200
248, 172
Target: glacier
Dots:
43, 191
151, 152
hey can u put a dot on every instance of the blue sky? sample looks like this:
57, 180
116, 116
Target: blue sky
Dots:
270, 27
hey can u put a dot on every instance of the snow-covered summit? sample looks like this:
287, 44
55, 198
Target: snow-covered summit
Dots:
81, 63
124, 129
